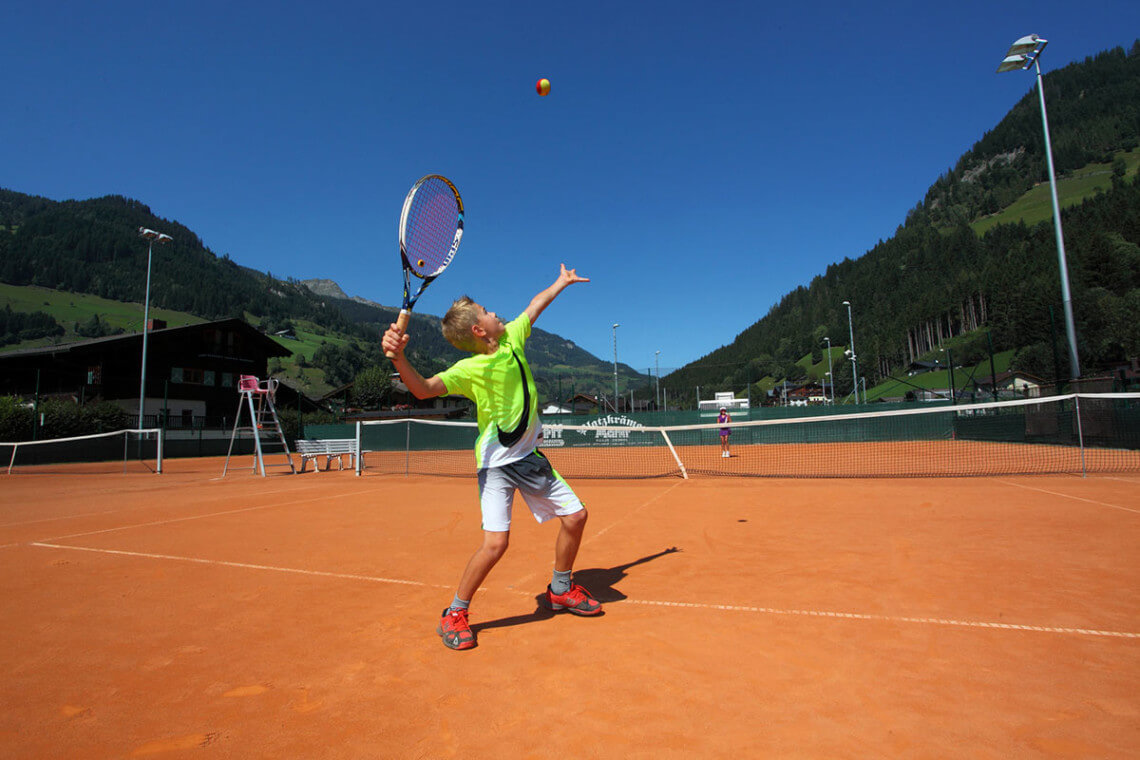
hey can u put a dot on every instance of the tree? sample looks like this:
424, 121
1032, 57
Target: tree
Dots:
372, 387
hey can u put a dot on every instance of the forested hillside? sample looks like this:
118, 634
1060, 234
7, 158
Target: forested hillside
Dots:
936, 278
92, 247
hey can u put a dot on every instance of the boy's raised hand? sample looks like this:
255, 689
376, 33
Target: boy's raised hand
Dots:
570, 276
542, 300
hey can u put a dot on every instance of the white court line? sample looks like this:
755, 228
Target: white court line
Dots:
688, 605
245, 565
591, 536
210, 514
1069, 496
61, 518
632, 512
891, 618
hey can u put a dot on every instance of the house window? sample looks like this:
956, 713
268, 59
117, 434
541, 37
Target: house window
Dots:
227, 379
189, 375
95, 374
208, 377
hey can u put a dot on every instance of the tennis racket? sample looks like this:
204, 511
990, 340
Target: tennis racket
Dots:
431, 226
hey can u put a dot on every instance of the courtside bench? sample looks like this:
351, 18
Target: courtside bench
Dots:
329, 448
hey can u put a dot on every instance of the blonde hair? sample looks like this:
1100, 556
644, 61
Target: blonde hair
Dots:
457, 324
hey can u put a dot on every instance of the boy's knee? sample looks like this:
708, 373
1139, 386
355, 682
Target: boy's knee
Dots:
577, 520
495, 544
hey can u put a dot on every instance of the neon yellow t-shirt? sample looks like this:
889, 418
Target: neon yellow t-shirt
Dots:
502, 388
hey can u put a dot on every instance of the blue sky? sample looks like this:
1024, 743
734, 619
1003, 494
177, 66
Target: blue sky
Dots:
697, 160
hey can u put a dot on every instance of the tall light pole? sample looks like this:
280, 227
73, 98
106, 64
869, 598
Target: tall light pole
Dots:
150, 236
830, 377
1022, 53
616, 326
851, 352
657, 366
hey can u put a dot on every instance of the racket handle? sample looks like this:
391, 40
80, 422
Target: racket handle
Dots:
401, 326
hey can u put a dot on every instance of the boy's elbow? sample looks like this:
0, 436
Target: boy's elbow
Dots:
429, 389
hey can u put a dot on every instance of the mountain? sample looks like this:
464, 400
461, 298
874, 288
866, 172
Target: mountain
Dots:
92, 247
975, 261
326, 288
554, 360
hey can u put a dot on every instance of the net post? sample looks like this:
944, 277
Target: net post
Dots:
359, 453
407, 446
158, 456
1080, 433
12, 461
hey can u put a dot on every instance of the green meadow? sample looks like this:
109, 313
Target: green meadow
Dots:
70, 308
1037, 205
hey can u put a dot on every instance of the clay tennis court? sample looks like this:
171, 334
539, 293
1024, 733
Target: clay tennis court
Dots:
177, 615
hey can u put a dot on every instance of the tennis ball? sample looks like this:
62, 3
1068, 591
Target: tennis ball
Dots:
543, 87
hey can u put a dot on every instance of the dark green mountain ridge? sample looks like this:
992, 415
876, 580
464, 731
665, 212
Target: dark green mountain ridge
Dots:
91, 246
936, 280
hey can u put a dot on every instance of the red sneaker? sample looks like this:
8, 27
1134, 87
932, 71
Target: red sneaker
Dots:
454, 629
577, 601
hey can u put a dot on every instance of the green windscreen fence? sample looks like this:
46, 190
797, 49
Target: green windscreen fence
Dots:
1076, 433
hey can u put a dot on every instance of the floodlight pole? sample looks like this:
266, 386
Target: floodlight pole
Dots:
854, 365
616, 326
150, 236
657, 367
830, 376
1022, 53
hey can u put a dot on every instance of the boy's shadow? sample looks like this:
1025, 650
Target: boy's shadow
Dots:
600, 581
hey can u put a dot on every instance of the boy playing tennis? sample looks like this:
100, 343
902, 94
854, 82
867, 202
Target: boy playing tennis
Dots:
497, 378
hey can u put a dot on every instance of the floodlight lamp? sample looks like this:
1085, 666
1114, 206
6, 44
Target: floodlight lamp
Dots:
1026, 45
1013, 62
163, 238
616, 324
846, 303
148, 234
1022, 53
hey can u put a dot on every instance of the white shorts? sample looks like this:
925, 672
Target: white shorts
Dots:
544, 490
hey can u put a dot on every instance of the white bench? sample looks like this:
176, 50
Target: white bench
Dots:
327, 448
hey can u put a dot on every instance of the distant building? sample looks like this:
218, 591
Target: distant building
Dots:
192, 370
401, 403
1012, 383
722, 399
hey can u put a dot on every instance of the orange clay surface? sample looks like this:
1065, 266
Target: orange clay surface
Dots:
183, 616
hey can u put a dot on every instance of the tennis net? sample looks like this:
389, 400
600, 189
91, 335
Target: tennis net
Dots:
117, 451
1075, 433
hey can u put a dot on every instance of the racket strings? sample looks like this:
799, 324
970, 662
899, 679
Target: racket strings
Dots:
430, 227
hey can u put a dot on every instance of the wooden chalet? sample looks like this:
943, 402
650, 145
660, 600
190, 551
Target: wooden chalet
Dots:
192, 371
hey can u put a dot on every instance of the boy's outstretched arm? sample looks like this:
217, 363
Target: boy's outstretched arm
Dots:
543, 299
393, 342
